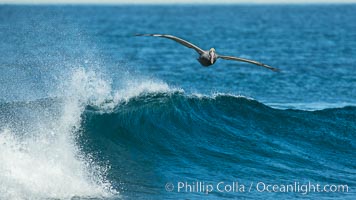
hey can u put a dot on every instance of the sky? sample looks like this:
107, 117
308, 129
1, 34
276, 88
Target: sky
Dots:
166, 1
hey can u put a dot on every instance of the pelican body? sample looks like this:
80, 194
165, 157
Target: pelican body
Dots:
208, 57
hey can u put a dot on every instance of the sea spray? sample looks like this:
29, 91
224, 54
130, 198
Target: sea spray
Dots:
44, 161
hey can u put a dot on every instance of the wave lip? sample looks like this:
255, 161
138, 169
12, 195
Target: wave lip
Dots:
134, 88
311, 106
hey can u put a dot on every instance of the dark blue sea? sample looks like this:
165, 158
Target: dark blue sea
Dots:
89, 111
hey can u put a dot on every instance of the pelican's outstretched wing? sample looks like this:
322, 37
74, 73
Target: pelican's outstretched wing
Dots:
249, 61
179, 40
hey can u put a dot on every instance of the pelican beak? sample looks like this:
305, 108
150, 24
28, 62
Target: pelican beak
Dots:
212, 55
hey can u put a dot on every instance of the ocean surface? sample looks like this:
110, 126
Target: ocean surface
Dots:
89, 111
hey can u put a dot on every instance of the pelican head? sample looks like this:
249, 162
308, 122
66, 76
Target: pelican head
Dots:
212, 55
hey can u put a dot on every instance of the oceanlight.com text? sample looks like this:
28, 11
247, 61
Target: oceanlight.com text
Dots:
261, 187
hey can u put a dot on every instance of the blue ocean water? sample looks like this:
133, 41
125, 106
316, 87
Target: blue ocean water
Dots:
89, 111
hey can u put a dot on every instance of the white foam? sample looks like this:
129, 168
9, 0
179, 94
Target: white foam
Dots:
136, 87
38, 168
45, 161
214, 95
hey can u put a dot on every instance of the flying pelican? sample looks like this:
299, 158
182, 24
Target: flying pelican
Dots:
207, 58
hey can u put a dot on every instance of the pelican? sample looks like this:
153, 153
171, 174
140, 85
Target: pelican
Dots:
208, 57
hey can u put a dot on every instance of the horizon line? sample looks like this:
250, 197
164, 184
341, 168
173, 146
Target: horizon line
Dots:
172, 2
177, 3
